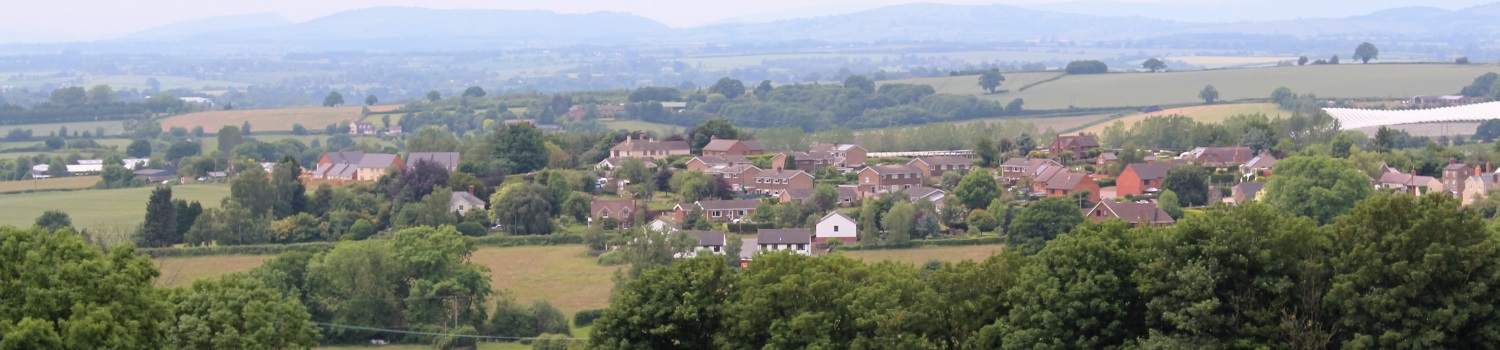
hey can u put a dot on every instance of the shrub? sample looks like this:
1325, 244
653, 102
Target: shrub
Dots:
585, 318
472, 229
613, 258
555, 342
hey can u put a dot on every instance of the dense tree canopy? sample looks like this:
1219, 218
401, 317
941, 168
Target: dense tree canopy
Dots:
1319, 187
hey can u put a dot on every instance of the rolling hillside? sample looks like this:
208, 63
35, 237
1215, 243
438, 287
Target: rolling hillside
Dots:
1384, 81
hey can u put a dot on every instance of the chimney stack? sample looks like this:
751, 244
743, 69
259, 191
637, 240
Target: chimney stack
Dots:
471, 189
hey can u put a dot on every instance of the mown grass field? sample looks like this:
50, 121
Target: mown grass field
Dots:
1207, 114
660, 129
563, 275
1059, 124
1388, 81
62, 183
280, 119
123, 208
969, 84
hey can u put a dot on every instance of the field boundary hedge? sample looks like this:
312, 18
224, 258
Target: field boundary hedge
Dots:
930, 243
315, 247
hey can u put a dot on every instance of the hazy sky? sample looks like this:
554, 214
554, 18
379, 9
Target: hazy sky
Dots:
50, 20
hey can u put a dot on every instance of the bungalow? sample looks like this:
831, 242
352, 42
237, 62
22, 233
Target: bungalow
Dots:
1259, 166
711, 241
463, 202
1106, 158
879, 179
1245, 192
1142, 178
726, 147
798, 240
448, 160
1068, 183
622, 211
1080, 145
806, 161
609, 164
728, 210
1409, 183
1138, 214
853, 156
704, 163
934, 167
835, 227
1218, 156
774, 182
802, 195
924, 193
848, 195
648, 148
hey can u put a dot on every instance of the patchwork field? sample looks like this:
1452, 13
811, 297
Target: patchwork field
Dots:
280, 119
1389, 81
1208, 113
122, 208
62, 183
1059, 124
969, 84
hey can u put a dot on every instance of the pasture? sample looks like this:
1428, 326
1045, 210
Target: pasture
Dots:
43, 130
969, 84
923, 255
1058, 124
1213, 62
1206, 114
117, 208
61, 183
280, 119
1383, 81
660, 129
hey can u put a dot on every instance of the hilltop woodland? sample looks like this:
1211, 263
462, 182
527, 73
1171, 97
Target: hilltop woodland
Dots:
1316, 263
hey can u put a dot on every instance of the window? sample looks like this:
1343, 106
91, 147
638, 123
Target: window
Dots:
716, 249
905, 186
801, 246
717, 213
835, 228
742, 213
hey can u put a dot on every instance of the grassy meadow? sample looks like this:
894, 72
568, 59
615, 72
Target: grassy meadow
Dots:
118, 208
280, 119
61, 183
1386, 81
41, 130
1206, 114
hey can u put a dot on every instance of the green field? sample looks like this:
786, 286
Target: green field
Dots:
660, 129
62, 183
42, 130
1383, 81
280, 119
1204, 114
120, 208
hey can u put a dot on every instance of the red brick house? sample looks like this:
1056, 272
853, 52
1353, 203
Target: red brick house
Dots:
1080, 145
878, 179
807, 161
853, 156
621, 210
705, 163
1142, 178
648, 148
1138, 214
774, 182
1016, 169
1068, 183
726, 147
1106, 158
935, 166
730, 210
1219, 156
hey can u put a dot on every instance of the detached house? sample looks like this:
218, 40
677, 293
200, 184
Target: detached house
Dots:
355, 166
879, 179
622, 211
725, 147
934, 167
1409, 183
1478, 187
648, 148
727, 210
806, 161
1259, 166
463, 202
1245, 192
710, 241
798, 240
774, 182
740, 177
1138, 214
361, 128
835, 227
1016, 169
1218, 156
1142, 178
853, 156
1454, 175
1068, 183
1080, 145
704, 163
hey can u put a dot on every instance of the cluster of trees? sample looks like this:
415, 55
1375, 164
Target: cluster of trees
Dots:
79, 297
1175, 132
78, 104
857, 103
1248, 276
1086, 67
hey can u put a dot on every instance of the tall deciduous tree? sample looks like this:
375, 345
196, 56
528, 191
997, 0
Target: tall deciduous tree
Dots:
989, 156
61, 292
1042, 221
728, 87
139, 148
521, 144
334, 98
53, 220
709, 130
524, 210
1366, 52
474, 91
1189, 182
371, 100
1154, 65
252, 189
1318, 187
680, 306
291, 193
990, 80
977, 189
899, 223
229, 137
238, 312
1209, 94
858, 82
1436, 261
